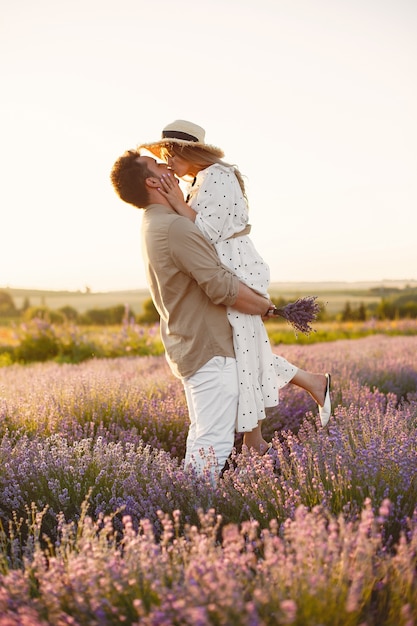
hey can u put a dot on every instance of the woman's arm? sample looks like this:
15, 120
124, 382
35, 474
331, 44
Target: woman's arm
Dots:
252, 303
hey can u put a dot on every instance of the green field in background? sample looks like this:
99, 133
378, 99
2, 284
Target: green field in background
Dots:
333, 295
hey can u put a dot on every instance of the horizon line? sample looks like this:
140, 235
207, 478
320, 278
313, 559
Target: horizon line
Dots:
87, 290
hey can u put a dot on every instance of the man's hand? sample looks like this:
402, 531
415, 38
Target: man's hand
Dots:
252, 303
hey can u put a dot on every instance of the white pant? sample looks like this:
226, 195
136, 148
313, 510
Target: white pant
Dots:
212, 398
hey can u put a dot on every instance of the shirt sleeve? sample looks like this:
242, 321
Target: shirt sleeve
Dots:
195, 256
220, 205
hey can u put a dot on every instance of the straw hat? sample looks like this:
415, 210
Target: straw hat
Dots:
181, 133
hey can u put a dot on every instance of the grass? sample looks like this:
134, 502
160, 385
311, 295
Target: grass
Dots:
282, 333
41, 341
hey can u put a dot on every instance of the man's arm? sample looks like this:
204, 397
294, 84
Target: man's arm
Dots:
250, 302
193, 255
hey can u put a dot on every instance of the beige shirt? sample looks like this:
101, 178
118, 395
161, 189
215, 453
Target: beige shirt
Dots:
190, 289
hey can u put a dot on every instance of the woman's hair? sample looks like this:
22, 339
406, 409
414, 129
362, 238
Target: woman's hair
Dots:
201, 157
128, 179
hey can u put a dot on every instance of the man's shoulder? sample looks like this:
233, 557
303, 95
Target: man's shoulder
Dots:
161, 218
158, 214
152, 209
183, 227
185, 238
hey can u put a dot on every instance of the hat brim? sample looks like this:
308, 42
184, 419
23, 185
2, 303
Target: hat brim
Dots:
157, 147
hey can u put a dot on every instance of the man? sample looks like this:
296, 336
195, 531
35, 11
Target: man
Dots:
191, 290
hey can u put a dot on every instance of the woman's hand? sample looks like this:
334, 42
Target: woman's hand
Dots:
269, 313
171, 190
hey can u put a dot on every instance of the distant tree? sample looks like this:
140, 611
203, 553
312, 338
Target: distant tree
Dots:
347, 313
150, 315
7, 305
70, 313
406, 304
98, 317
361, 313
386, 310
323, 315
43, 313
103, 317
409, 309
25, 305
399, 306
117, 313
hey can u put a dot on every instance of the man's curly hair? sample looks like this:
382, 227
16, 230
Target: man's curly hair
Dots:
128, 179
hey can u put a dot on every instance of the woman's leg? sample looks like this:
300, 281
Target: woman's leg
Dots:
255, 440
314, 384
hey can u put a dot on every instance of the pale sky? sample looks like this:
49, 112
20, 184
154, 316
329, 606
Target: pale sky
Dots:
314, 100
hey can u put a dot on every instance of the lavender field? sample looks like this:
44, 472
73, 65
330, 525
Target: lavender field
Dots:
100, 524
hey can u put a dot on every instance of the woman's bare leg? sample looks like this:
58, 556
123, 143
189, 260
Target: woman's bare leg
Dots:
314, 384
255, 440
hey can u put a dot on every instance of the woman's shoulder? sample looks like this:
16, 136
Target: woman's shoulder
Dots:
220, 167
216, 171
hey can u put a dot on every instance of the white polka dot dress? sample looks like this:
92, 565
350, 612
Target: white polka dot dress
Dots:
222, 212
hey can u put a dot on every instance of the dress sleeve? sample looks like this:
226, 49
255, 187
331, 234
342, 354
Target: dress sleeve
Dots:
220, 205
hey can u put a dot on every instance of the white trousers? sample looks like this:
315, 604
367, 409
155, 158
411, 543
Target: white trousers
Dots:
212, 399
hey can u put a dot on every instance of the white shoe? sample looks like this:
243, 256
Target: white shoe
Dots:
326, 410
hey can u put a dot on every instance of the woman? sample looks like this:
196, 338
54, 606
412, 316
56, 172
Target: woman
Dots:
217, 203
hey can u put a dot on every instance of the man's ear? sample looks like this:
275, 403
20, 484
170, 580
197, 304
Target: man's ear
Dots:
152, 182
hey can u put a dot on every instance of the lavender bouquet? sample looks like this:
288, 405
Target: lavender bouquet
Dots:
300, 313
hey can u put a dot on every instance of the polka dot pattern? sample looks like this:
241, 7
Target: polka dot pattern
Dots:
222, 212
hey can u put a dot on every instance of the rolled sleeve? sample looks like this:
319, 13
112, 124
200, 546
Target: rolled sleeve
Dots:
193, 255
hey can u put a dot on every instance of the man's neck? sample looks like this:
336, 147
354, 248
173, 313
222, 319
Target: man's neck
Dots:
163, 205
157, 198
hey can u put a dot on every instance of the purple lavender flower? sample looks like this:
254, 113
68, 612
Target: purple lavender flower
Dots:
300, 313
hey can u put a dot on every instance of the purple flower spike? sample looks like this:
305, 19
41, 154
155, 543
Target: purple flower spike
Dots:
300, 313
